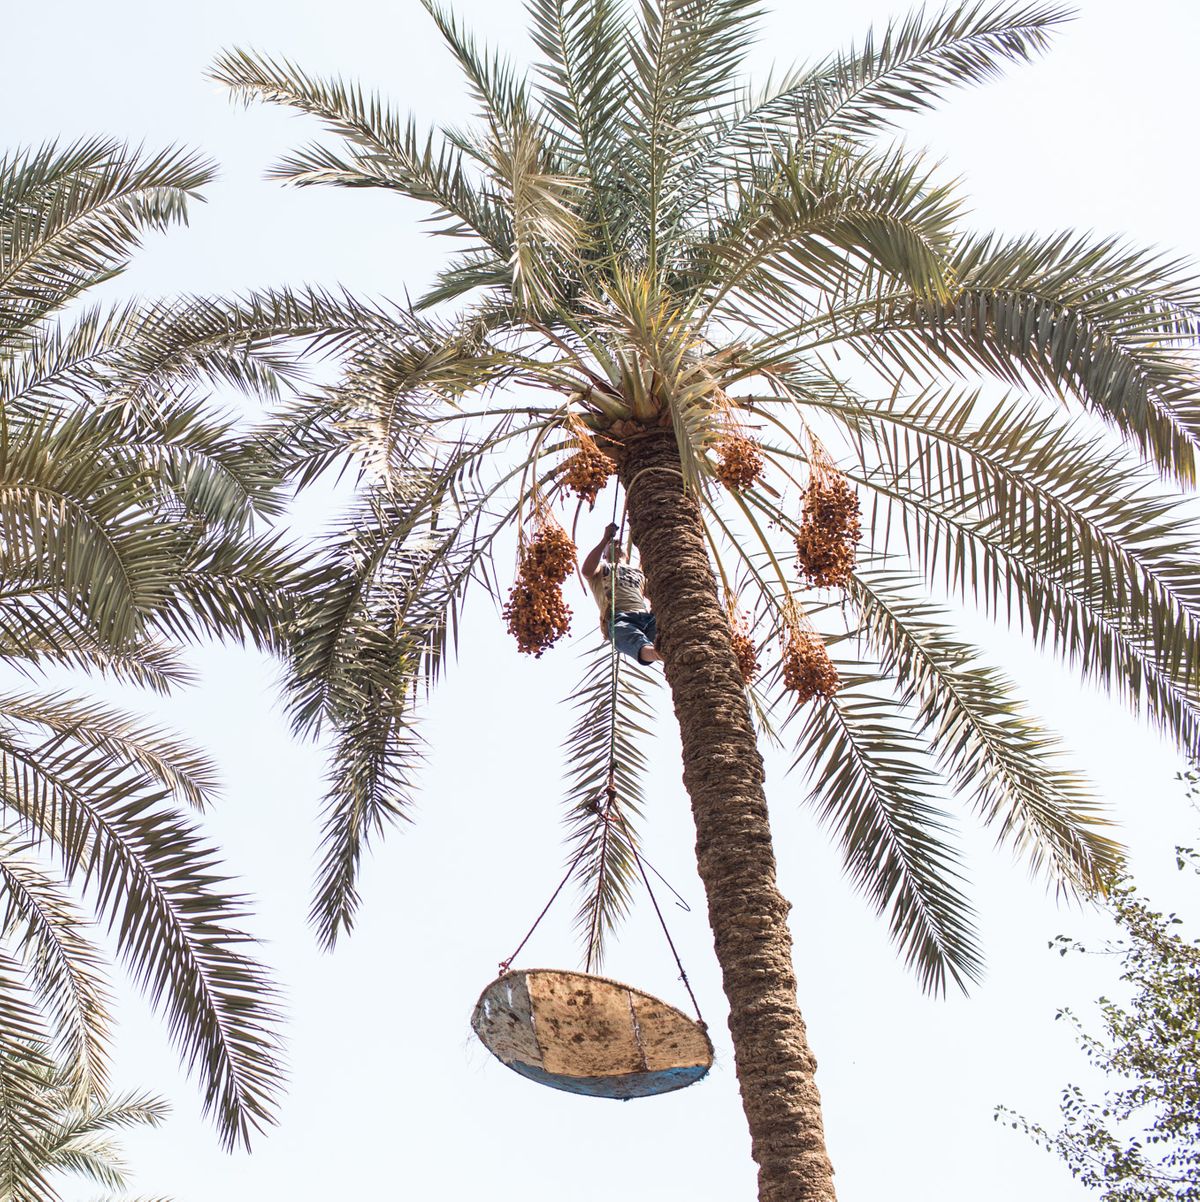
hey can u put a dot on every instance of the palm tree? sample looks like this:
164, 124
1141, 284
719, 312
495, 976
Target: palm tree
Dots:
762, 319
124, 522
127, 510
65, 1135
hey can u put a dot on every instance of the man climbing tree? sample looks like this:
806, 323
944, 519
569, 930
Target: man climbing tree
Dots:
628, 619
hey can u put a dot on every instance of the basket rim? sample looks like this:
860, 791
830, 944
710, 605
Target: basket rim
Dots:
699, 1024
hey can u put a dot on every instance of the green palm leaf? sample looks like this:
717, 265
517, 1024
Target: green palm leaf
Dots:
71, 218
72, 1136
1073, 315
386, 150
25, 1122
64, 968
583, 78
159, 888
1118, 603
907, 68
982, 738
126, 510
614, 721
871, 783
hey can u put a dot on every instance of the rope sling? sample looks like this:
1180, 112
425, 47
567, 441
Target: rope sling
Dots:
651, 1048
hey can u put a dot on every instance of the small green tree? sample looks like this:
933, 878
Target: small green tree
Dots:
1140, 1142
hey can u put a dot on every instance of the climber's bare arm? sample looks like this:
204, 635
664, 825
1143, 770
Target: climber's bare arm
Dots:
591, 565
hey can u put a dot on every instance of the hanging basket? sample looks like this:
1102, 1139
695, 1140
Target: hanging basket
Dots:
589, 1035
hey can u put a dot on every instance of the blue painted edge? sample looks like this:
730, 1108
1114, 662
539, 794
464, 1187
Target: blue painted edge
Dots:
623, 1087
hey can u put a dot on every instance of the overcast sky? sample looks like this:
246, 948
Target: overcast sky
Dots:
390, 1095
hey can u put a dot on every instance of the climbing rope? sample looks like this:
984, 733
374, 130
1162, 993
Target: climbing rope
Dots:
608, 812
610, 791
663, 923
504, 965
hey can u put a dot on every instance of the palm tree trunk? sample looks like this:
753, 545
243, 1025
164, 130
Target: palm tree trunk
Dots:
723, 774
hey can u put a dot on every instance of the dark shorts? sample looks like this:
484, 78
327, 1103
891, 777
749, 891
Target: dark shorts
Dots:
633, 631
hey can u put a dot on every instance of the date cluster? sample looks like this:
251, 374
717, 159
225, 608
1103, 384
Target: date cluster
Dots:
536, 614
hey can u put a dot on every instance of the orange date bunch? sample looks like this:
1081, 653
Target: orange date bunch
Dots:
536, 613
743, 645
829, 527
549, 555
588, 470
807, 669
741, 462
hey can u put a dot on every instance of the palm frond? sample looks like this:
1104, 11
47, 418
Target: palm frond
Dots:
1076, 316
244, 342
816, 222
613, 724
146, 665
374, 624
235, 588
383, 149
79, 1136
159, 888
207, 470
872, 783
495, 83
547, 230
131, 362
908, 68
83, 1143
584, 77
369, 787
73, 523
65, 969
178, 767
71, 217
60, 363
983, 738
1101, 578
659, 366
25, 1122
1081, 507
682, 59
380, 415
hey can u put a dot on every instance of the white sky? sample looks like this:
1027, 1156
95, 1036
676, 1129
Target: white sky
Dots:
390, 1095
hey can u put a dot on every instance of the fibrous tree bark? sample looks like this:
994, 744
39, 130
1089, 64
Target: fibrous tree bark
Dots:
724, 777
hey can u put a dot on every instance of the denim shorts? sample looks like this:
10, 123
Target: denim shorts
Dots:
633, 631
